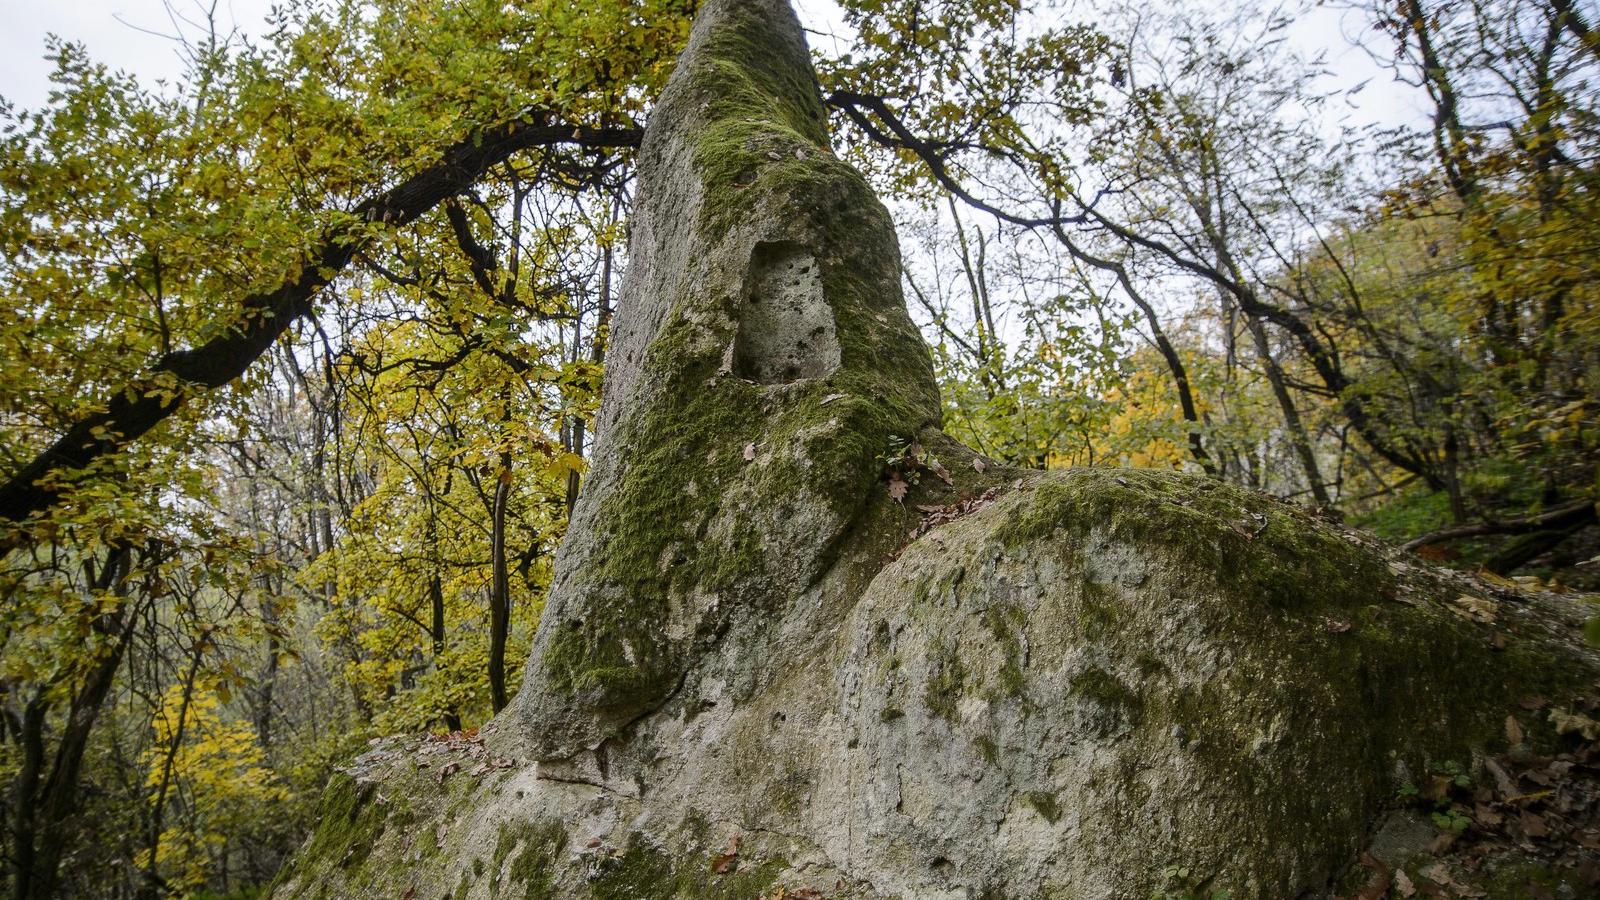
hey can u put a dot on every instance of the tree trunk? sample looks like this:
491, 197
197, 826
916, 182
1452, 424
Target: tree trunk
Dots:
45, 792
1296, 429
500, 587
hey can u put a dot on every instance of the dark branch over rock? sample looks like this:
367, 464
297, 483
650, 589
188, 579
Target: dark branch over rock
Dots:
177, 377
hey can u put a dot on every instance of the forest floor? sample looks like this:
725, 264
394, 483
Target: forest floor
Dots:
1528, 828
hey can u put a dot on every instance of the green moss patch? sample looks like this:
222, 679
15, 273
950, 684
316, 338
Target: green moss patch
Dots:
644, 871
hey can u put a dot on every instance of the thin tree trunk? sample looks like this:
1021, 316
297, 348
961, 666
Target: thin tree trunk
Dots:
1291, 415
44, 803
153, 885
500, 593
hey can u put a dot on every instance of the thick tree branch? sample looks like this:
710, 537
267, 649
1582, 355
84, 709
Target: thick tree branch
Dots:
176, 377
1569, 515
885, 127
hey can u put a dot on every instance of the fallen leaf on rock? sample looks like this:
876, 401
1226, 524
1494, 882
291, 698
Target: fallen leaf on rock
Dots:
1438, 873
1502, 781
1403, 885
723, 862
1514, 733
1500, 580
979, 465
1533, 825
1575, 723
1377, 884
830, 398
1335, 626
1531, 702
897, 488
1475, 609
749, 451
938, 515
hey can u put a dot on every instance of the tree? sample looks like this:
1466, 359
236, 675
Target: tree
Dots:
166, 242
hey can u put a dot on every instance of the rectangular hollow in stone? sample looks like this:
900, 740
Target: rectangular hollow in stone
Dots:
786, 327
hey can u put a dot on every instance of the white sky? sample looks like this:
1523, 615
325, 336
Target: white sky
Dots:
111, 30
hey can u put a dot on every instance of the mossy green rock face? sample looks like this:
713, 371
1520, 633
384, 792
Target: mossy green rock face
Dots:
758, 672
762, 359
1103, 674
1094, 678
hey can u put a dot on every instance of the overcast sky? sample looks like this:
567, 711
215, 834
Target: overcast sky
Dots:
112, 31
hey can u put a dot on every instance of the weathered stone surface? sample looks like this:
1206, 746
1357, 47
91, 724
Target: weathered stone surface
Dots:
762, 358
758, 671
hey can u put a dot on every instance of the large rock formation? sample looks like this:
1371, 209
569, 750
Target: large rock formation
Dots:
759, 674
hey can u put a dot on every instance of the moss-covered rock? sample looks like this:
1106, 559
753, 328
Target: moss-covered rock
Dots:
764, 360
1213, 680
758, 674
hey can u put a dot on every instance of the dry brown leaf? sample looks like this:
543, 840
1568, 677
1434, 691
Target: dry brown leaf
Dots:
749, 451
1502, 781
978, 465
1438, 873
1442, 842
1377, 885
1475, 609
897, 488
1403, 885
1514, 733
1500, 580
723, 862
1575, 723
